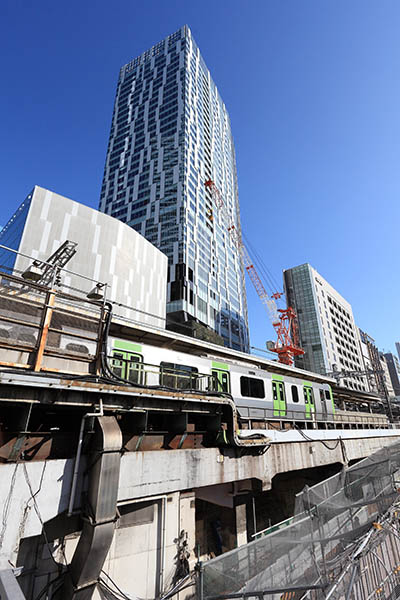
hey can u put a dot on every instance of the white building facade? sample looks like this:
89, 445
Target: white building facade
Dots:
327, 329
171, 133
107, 251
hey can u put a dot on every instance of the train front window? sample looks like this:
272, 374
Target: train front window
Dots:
251, 387
117, 364
134, 368
181, 377
127, 366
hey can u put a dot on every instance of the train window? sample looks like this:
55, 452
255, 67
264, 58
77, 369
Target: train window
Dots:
308, 395
327, 394
221, 381
252, 387
181, 377
295, 393
134, 368
117, 364
128, 366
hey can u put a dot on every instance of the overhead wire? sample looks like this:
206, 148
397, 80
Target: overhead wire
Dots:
261, 266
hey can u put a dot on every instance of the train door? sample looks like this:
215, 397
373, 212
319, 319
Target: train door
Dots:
127, 361
279, 398
329, 397
221, 380
324, 410
309, 401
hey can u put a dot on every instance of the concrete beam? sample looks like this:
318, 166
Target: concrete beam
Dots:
159, 472
156, 473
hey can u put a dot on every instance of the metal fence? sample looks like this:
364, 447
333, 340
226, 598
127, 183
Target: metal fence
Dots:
309, 557
47, 329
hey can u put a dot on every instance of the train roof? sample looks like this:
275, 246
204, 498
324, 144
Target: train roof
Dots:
152, 335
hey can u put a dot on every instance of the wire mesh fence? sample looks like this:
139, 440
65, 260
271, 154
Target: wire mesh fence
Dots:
40, 326
309, 555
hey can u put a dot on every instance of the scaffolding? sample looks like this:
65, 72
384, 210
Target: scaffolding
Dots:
343, 543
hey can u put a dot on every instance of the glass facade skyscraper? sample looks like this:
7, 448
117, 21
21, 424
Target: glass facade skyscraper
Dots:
327, 330
170, 133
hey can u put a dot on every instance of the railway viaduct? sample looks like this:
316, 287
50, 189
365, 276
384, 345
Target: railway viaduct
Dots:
107, 482
202, 501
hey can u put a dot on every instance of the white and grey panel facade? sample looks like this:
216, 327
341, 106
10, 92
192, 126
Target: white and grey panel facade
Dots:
108, 251
170, 133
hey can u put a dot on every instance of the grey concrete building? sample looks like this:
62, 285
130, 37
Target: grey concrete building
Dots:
398, 349
386, 375
170, 133
370, 356
393, 364
108, 251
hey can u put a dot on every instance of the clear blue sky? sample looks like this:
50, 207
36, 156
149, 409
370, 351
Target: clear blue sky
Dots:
313, 92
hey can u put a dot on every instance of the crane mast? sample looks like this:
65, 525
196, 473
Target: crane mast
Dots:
283, 320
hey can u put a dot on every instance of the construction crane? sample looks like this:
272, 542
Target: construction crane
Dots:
283, 320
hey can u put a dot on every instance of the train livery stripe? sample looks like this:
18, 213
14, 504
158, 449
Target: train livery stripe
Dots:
220, 365
127, 346
277, 377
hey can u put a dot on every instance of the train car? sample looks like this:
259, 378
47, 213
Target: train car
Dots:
266, 394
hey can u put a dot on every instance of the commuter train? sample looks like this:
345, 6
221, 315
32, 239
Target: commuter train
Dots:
266, 394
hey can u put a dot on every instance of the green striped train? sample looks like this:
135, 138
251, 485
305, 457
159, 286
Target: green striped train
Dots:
264, 391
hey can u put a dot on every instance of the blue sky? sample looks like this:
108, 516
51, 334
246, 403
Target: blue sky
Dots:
313, 92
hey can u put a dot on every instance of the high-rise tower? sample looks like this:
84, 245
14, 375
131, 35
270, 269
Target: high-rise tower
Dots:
170, 133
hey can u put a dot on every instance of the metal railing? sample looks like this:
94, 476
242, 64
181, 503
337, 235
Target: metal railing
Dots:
342, 542
47, 329
148, 374
316, 420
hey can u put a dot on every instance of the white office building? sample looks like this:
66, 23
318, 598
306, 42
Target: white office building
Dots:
327, 329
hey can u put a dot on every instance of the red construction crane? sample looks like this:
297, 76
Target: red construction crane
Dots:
283, 320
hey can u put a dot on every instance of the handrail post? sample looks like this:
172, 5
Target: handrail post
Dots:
44, 329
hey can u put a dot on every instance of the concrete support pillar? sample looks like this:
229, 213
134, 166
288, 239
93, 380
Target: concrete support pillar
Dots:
241, 524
